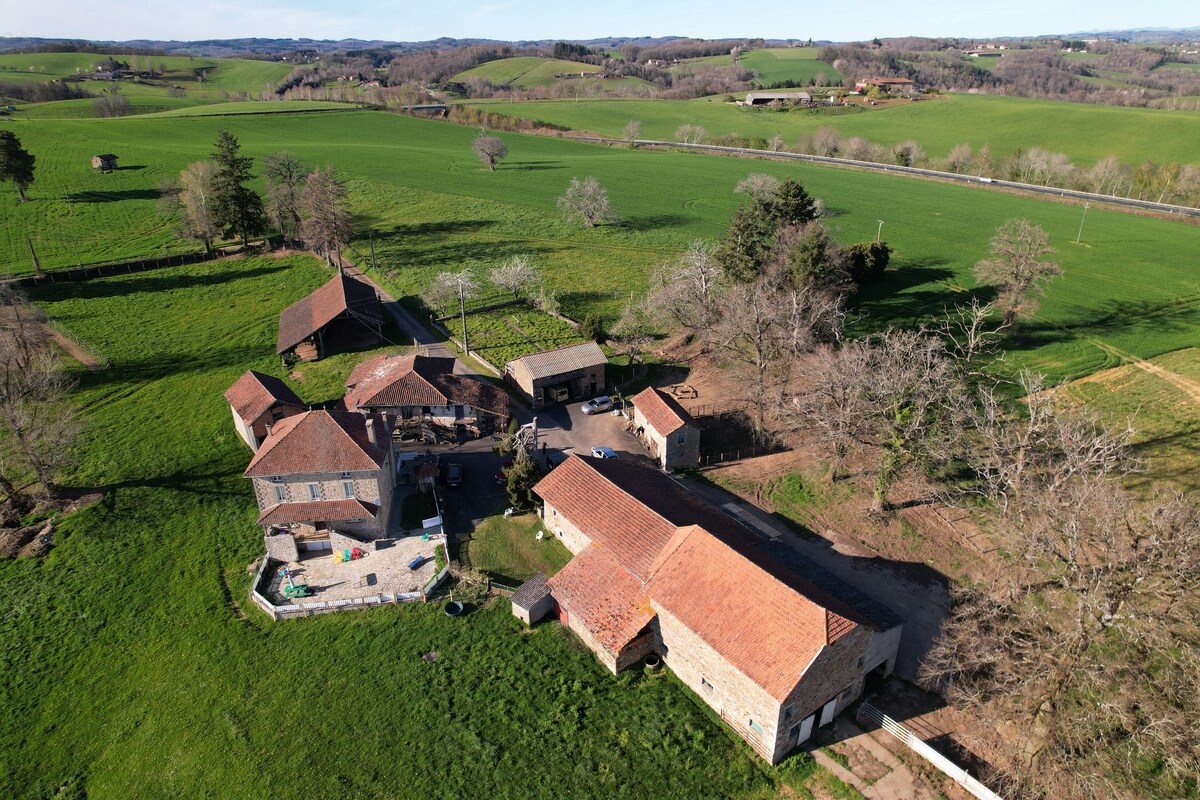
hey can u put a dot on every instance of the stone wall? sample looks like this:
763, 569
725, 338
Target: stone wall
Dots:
736, 698
679, 450
282, 547
573, 538
576, 625
835, 673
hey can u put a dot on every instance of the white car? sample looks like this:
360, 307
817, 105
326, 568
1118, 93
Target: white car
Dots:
603, 452
597, 404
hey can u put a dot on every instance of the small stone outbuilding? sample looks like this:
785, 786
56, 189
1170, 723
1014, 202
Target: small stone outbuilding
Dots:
667, 430
106, 162
259, 401
532, 601
575, 372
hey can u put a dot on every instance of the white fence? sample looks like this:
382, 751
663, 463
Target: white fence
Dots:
351, 604
918, 746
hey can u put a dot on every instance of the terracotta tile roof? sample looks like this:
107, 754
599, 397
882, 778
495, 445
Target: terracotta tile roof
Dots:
661, 411
560, 360
631, 510
765, 626
603, 596
317, 511
253, 394
416, 380
652, 538
321, 441
302, 319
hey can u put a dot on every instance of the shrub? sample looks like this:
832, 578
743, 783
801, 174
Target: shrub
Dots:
593, 328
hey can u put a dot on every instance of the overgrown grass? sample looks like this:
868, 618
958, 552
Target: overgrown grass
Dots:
509, 549
503, 334
133, 666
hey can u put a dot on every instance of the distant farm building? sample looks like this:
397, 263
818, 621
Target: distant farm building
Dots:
667, 430
986, 53
568, 373
777, 98
106, 162
344, 314
902, 85
258, 402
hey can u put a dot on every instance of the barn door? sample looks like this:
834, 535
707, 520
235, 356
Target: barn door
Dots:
804, 729
827, 712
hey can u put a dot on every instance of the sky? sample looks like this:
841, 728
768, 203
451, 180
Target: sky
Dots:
405, 20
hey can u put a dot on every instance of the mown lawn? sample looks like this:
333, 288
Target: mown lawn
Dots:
509, 548
133, 666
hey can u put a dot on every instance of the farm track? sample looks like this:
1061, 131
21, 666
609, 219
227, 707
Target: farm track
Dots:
1188, 386
72, 348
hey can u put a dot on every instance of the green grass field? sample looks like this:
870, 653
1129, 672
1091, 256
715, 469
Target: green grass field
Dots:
1166, 419
774, 64
222, 77
134, 666
1086, 133
509, 549
506, 333
416, 185
525, 72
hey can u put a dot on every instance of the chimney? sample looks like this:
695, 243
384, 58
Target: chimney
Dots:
371, 430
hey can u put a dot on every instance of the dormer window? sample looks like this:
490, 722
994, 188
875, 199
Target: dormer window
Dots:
314, 491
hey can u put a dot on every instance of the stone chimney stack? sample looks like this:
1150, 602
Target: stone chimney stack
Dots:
371, 430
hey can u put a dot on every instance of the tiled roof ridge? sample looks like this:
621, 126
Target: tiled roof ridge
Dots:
622, 490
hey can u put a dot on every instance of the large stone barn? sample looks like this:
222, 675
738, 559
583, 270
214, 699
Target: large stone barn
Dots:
259, 401
344, 314
418, 388
776, 652
575, 372
321, 474
667, 430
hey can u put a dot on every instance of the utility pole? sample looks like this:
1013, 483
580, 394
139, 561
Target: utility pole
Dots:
371, 237
1079, 235
462, 306
879, 230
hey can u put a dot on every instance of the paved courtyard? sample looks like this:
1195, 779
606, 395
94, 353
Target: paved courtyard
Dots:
384, 571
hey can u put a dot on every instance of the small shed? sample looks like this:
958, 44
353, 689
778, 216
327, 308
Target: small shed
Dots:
667, 430
532, 601
344, 314
555, 376
105, 162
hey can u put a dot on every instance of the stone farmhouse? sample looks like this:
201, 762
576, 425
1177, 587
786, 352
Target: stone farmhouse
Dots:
259, 401
322, 473
658, 571
423, 388
575, 372
344, 314
667, 430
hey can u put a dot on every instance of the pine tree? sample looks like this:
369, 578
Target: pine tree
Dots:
237, 208
791, 205
16, 163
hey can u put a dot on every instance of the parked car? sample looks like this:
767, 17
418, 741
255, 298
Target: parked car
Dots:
454, 475
597, 404
604, 452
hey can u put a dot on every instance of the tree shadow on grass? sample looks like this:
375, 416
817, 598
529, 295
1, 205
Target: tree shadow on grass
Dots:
653, 222
532, 166
911, 293
460, 252
161, 280
114, 196
420, 229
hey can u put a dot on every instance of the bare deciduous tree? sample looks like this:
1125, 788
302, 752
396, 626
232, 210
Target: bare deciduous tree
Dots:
690, 134
34, 389
198, 221
1016, 268
826, 141
633, 330
462, 285
325, 218
775, 143
632, 131
687, 290
489, 150
586, 202
284, 175
515, 275
960, 159
759, 187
